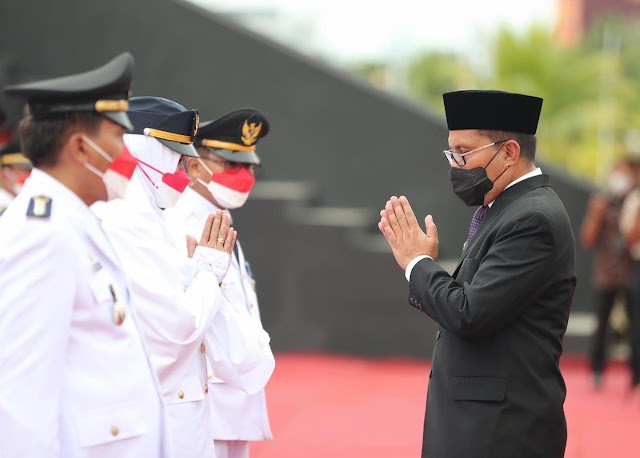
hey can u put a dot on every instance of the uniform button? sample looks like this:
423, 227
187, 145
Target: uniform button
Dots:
115, 431
437, 335
251, 305
119, 313
206, 388
202, 348
181, 394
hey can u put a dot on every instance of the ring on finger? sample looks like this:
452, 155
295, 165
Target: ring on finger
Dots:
220, 239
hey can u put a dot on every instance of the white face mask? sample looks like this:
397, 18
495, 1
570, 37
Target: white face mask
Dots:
113, 182
230, 189
619, 184
165, 196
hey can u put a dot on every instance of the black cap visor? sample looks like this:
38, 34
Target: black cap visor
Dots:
120, 118
244, 157
186, 149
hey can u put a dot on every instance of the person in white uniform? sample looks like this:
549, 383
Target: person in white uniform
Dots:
178, 296
75, 379
14, 169
222, 178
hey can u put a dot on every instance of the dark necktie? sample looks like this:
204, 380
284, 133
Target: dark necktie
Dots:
478, 216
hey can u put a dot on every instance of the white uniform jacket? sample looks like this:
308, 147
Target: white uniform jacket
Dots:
5, 200
178, 299
237, 415
73, 383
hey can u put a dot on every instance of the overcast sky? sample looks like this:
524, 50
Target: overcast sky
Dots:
359, 30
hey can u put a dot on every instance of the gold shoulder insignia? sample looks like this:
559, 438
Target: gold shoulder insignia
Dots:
39, 207
250, 132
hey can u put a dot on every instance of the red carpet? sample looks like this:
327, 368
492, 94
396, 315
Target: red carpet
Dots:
333, 406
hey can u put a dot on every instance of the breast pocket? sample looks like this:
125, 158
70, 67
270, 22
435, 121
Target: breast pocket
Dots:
111, 424
110, 301
99, 285
478, 388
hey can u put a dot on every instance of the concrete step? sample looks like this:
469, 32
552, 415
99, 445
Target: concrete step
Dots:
327, 280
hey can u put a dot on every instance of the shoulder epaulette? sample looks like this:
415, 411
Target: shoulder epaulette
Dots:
39, 207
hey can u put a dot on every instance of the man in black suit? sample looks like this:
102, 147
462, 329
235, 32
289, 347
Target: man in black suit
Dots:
495, 388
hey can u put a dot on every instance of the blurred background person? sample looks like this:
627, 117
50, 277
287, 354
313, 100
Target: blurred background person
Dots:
14, 170
5, 131
600, 232
630, 229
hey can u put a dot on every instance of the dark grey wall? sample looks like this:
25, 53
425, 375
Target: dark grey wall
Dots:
320, 292
357, 144
362, 144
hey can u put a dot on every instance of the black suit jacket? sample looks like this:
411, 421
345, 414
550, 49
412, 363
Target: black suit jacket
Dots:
495, 387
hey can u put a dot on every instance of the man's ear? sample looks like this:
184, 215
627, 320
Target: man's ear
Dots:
76, 148
194, 169
512, 152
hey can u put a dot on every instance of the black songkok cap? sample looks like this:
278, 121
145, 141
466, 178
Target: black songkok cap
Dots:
103, 91
492, 110
234, 136
167, 121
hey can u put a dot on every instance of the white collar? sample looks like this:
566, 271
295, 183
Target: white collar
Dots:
535, 172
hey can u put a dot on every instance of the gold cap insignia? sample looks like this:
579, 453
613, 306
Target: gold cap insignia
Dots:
111, 105
250, 132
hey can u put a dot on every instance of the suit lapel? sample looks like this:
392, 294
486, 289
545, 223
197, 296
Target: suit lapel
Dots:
505, 199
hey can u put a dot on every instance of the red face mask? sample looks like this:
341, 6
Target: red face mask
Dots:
23, 178
168, 191
19, 182
117, 177
231, 189
178, 180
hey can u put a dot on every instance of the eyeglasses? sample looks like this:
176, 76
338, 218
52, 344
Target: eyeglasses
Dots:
459, 157
234, 166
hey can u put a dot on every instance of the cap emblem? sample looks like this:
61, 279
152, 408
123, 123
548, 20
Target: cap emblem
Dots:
250, 132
